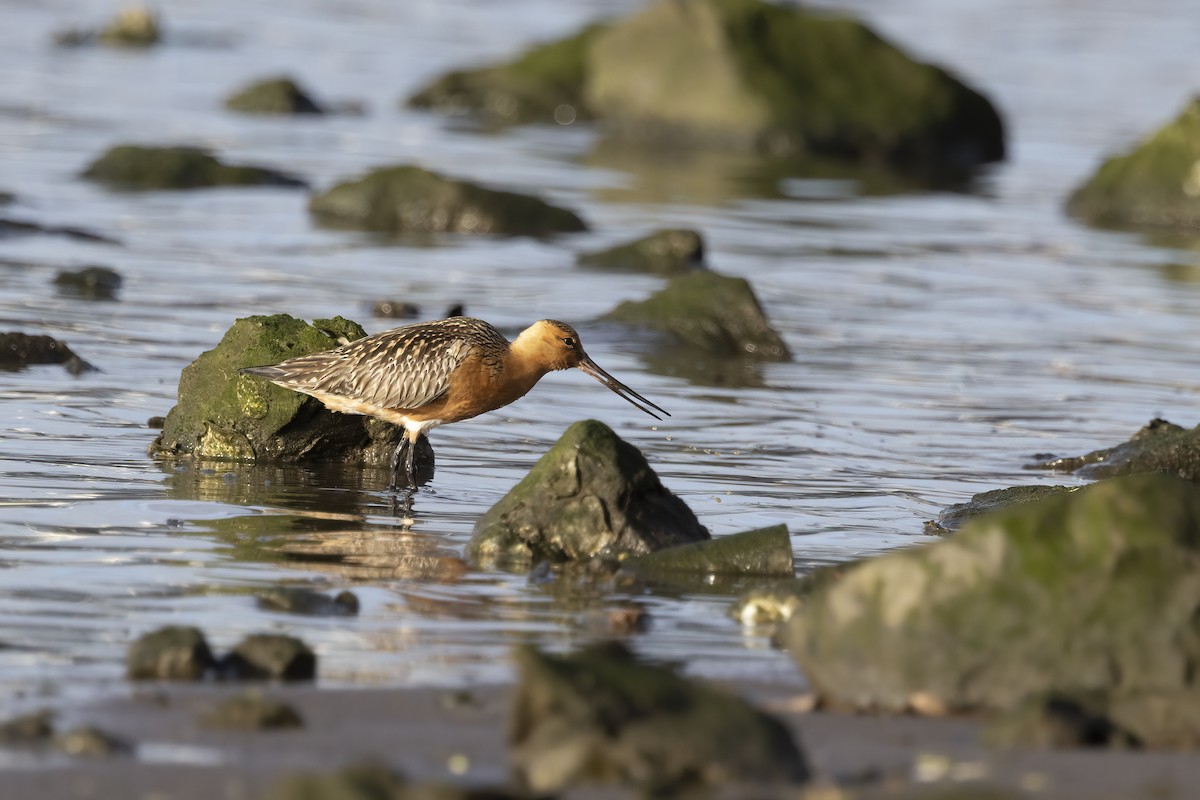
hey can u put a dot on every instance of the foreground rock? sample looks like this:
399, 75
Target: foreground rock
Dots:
407, 199
740, 74
137, 167
590, 495
1159, 446
1095, 591
21, 350
1156, 184
280, 95
664, 252
713, 313
221, 414
89, 283
599, 716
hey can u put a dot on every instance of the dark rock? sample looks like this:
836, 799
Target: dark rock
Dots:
1156, 184
710, 312
396, 309
156, 423
762, 552
270, 656
135, 167
1055, 721
89, 283
252, 712
27, 730
1159, 446
406, 199
664, 252
298, 600
599, 716
92, 742
13, 227
590, 495
170, 653
953, 517
1095, 591
221, 414
20, 350
279, 95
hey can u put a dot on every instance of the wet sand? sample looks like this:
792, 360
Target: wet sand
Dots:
459, 737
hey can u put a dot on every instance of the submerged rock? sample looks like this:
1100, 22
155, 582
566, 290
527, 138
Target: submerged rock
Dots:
1156, 184
955, 516
599, 716
590, 495
762, 552
89, 283
221, 414
1159, 446
251, 711
21, 350
664, 252
280, 95
713, 313
271, 656
407, 199
136, 167
172, 653
1095, 591
298, 600
15, 227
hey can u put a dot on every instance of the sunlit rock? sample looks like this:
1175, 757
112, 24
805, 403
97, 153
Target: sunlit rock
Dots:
146, 168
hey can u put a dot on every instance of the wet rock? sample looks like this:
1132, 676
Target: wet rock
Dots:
171, 653
1095, 591
135, 167
357, 782
1159, 446
396, 309
27, 730
770, 602
280, 95
762, 552
252, 712
270, 656
744, 75
221, 414
89, 283
298, 600
156, 422
13, 227
713, 313
1057, 721
134, 26
953, 517
1156, 184
407, 199
91, 742
599, 716
664, 252
590, 495
1164, 719
21, 350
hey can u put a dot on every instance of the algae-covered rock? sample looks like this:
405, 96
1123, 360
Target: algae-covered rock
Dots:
89, 283
711, 312
280, 95
664, 252
271, 656
1156, 184
953, 517
21, 350
590, 495
136, 167
407, 199
250, 711
170, 653
1056, 720
1093, 591
1159, 446
741, 74
599, 716
221, 414
764, 552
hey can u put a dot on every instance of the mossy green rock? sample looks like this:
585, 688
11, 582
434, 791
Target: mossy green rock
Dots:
761, 552
272, 656
955, 516
1159, 446
221, 414
664, 252
599, 716
1093, 591
1157, 184
136, 167
714, 313
172, 653
407, 199
590, 495
280, 95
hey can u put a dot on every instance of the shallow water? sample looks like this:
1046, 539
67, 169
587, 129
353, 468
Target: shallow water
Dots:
941, 340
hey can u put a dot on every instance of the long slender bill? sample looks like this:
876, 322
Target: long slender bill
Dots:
587, 365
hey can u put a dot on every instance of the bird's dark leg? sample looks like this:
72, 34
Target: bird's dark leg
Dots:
396, 457
410, 462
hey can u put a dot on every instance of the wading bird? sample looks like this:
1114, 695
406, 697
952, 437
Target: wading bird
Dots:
431, 373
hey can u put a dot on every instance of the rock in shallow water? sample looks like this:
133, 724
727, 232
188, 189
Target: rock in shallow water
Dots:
20, 350
280, 95
135, 167
1159, 446
665, 252
170, 653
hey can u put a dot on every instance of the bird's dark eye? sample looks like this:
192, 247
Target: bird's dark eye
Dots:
569, 342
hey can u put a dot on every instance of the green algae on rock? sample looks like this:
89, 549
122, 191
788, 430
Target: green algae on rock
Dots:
279, 95
953, 517
1093, 591
590, 495
600, 716
221, 414
175, 652
713, 313
408, 199
761, 552
148, 168
1156, 184
1159, 446
665, 252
